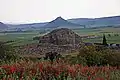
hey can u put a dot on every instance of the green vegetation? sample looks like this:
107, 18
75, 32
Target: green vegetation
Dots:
7, 53
104, 40
19, 38
92, 63
57, 70
95, 56
112, 36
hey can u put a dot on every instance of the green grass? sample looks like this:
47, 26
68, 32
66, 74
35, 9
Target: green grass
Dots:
99, 32
86, 31
19, 38
112, 39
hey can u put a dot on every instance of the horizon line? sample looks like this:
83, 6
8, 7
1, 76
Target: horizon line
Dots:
20, 23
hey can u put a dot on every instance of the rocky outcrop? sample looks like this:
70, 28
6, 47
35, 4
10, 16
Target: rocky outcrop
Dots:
61, 36
61, 41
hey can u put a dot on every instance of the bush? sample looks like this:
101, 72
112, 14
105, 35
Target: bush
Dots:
36, 38
75, 59
7, 52
99, 56
94, 56
113, 59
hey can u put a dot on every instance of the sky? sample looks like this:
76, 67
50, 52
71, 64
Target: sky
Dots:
33, 11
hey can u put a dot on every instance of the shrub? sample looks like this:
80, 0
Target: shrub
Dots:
75, 59
36, 38
100, 55
7, 52
93, 55
113, 59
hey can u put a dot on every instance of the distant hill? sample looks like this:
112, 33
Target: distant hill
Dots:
60, 22
34, 25
105, 21
3, 26
24, 27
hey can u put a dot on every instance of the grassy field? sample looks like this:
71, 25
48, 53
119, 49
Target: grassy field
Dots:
27, 37
112, 39
99, 32
19, 38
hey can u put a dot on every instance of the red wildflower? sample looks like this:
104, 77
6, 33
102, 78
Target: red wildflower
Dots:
7, 69
89, 78
12, 69
21, 71
33, 71
72, 71
41, 67
99, 78
85, 70
56, 71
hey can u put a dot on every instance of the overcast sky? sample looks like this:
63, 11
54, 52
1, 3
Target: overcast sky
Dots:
33, 11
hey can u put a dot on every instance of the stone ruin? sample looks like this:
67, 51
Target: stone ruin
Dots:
61, 36
62, 41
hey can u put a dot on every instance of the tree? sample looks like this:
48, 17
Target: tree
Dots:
36, 38
109, 35
104, 40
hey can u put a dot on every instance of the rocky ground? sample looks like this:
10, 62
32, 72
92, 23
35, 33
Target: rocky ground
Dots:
44, 48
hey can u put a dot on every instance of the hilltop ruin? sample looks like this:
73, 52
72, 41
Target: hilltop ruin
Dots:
61, 36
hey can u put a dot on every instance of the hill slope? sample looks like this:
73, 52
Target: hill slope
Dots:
3, 26
105, 21
58, 22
